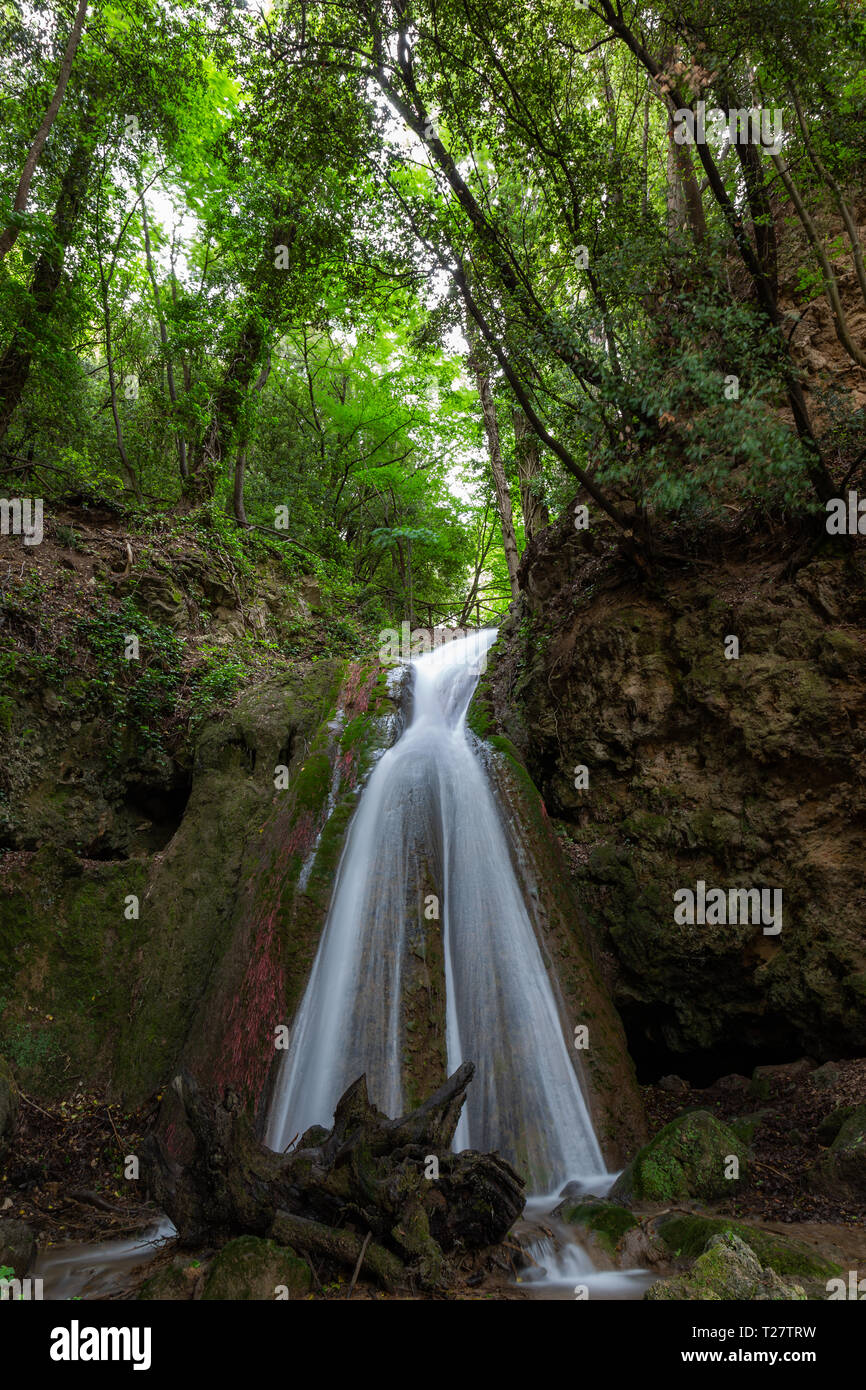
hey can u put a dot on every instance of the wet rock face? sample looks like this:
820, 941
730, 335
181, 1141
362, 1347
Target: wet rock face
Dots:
197, 949
741, 772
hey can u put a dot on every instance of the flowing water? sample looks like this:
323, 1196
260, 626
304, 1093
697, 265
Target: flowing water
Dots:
428, 816
428, 801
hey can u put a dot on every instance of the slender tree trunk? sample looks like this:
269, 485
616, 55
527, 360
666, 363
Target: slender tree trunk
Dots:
241, 459
163, 332
112, 388
16, 361
644, 193
844, 211
494, 450
10, 235
238, 489
684, 200
216, 442
535, 513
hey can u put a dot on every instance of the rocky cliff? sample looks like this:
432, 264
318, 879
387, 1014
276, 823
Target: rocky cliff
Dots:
741, 771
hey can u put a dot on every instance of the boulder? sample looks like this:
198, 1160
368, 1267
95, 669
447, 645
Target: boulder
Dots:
727, 1269
688, 1158
253, 1269
831, 1124
767, 1078
825, 1077
17, 1246
600, 1223
841, 1171
685, 1236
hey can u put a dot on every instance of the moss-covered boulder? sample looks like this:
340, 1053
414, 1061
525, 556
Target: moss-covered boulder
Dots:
727, 1269
250, 1269
746, 1126
841, 1171
605, 1223
685, 1237
8, 1105
174, 1283
17, 1246
832, 1123
690, 1157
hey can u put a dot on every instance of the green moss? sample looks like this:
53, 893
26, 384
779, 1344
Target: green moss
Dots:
249, 1269
66, 946
687, 1236
171, 1285
606, 1220
688, 1158
729, 1269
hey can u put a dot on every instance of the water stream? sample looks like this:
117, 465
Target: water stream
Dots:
428, 816
429, 802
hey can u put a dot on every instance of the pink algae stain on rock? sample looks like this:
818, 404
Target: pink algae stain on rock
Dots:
247, 1048
355, 696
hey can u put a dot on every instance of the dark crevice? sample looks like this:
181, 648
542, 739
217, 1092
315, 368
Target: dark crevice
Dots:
769, 1043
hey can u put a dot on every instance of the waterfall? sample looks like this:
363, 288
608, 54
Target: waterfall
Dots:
428, 801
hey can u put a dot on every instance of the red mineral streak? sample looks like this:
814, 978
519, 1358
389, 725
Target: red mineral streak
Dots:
247, 1047
248, 1043
354, 697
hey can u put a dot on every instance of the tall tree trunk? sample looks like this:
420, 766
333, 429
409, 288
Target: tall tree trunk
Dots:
10, 235
535, 513
219, 435
163, 332
494, 450
241, 459
685, 207
112, 389
16, 361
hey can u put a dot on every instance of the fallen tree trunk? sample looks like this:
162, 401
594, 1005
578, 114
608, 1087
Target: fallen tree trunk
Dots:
395, 1179
340, 1247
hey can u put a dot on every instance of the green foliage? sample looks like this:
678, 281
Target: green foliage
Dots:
236, 275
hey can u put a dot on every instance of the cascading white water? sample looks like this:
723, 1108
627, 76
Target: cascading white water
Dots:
428, 801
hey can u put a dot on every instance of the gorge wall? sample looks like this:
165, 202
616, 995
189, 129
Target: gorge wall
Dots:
742, 772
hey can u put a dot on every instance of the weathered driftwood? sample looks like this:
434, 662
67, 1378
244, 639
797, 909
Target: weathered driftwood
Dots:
368, 1173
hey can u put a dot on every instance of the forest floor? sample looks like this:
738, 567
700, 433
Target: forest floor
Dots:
786, 1143
67, 1169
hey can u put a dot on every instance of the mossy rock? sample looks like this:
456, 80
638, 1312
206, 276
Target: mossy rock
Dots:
173, 1284
829, 1127
727, 1269
841, 1171
17, 1246
249, 1269
688, 1158
605, 1220
746, 1126
687, 1236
